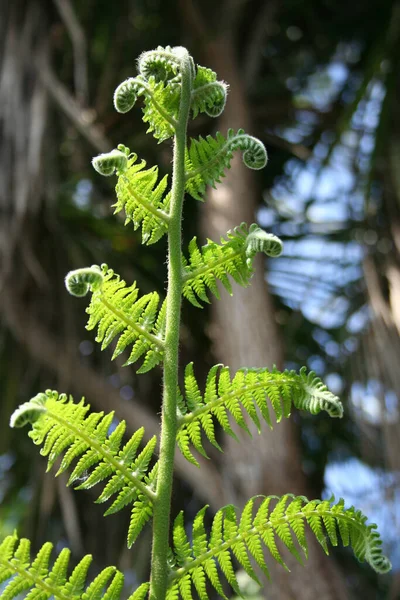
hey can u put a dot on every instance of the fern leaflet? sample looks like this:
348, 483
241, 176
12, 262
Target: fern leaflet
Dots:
207, 159
161, 103
62, 428
44, 582
247, 391
233, 257
116, 310
208, 94
138, 192
141, 593
276, 519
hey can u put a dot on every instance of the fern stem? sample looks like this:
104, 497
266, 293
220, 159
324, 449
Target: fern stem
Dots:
132, 324
162, 508
108, 456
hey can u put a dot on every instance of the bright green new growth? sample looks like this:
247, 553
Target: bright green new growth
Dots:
62, 427
248, 390
90, 446
285, 520
116, 310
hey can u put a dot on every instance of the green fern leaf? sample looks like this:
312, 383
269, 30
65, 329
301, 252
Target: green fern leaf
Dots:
173, 592
207, 159
233, 257
144, 200
208, 94
40, 582
281, 527
116, 310
141, 593
161, 103
161, 108
139, 192
254, 543
158, 83
246, 393
276, 518
231, 531
62, 427
181, 542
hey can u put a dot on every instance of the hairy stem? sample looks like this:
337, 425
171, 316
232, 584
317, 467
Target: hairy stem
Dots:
162, 508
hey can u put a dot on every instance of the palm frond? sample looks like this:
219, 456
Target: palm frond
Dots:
284, 519
64, 430
248, 393
116, 310
234, 257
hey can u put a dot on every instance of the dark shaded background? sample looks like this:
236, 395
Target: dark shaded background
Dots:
317, 81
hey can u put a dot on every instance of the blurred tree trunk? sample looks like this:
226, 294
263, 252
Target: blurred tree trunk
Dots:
245, 333
379, 358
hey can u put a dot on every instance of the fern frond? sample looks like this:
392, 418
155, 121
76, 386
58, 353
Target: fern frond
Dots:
276, 519
39, 581
64, 430
144, 200
207, 159
233, 257
116, 310
160, 107
159, 82
247, 391
208, 94
139, 192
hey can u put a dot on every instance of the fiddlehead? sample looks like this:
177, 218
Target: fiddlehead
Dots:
251, 392
277, 519
234, 258
158, 83
64, 429
112, 162
164, 64
116, 310
81, 281
207, 159
208, 94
